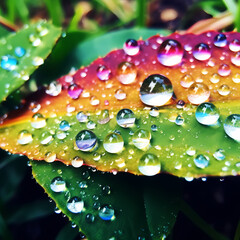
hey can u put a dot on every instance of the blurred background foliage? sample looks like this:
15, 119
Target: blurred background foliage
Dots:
25, 211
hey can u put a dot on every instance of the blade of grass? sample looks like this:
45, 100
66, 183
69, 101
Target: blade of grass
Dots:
22, 11
231, 6
200, 223
237, 233
237, 18
141, 13
55, 11
11, 11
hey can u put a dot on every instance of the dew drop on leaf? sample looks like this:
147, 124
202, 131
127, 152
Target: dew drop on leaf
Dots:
81, 117
24, 137
113, 143
77, 162
224, 90
9, 63
202, 52
120, 94
141, 139
186, 81
149, 165
201, 161
20, 51
54, 89
74, 91
86, 140
131, 47
58, 185
234, 45
46, 138
219, 154
126, 73
89, 218
38, 121
220, 40
215, 78
125, 118
232, 126
224, 70
235, 59
64, 125
106, 213
198, 93
75, 205
103, 73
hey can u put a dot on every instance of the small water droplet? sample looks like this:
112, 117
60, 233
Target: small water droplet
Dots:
131, 47
215, 78
154, 128
57, 210
186, 81
198, 93
202, 52
37, 61
103, 73
94, 101
232, 126
81, 117
234, 45
126, 73
61, 135
180, 104
149, 165
207, 114
9, 63
46, 138
179, 120
24, 137
86, 141
106, 190
113, 143
19, 51
236, 78
74, 91
170, 53
34, 106
106, 213
75, 205
154, 112
120, 94
89, 218
224, 70
191, 151
125, 118
104, 117
77, 162
141, 139
156, 90
224, 90
220, 40
38, 121
235, 59
201, 161
219, 154
91, 125
54, 89
64, 125
58, 185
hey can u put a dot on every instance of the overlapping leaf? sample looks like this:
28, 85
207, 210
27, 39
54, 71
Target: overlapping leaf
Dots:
188, 149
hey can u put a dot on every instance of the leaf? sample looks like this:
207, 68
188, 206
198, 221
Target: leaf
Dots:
128, 195
182, 146
23, 52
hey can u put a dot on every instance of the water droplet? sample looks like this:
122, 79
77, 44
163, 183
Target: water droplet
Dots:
75, 205
234, 45
57, 210
61, 135
207, 114
202, 52
198, 93
81, 117
106, 190
37, 61
106, 213
154, 128
54, 89
149, 165
86, 141
77, 162
104, 117
58, 185
83, 184
191, 151
236, 78
224, 70
232, 126
38, 121
201, 161
64, 125
74, 91
103, 73
170, 53
186, 81
120, 94
94, 101
46, 138
113, 143
131, 47
90, 218
219, 154
141, 139
179, 120
34, 106
224, 90
126, 73
180, 104
8, 62
91, 125
220, 40
236, 59
24, 137
156, 90
154, 112
125, 118
19, 51
96, 156
215, 78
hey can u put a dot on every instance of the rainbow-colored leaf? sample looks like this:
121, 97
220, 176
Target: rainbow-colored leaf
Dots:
168, 104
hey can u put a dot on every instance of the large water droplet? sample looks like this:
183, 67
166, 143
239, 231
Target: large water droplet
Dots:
131, 47
224, 70
156, 90
86, 141
24, 137
198, 93
234, 45
224, 90
45, 138
186, 81
219, 154
236, 78
54, 89
9, 62
125, 118
149, 165
126, 73
201, 161
74, 91
19, 51
103, 73
235, 59
220, 40
106, 213
202, 52
38, 121
75, 205
58, 185
113, 143
170, 53
232, 126
120, 94
207, 114
64, 125
141, 139
77, 162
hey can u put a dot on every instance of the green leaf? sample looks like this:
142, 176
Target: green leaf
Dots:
36, 42
128, 195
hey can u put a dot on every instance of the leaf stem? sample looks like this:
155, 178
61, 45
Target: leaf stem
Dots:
141, 13
199, 222
237, 233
